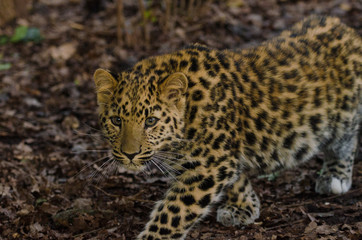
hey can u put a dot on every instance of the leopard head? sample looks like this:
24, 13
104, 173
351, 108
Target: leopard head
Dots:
141, 115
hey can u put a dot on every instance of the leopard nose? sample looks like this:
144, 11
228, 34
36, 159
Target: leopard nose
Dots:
131, 155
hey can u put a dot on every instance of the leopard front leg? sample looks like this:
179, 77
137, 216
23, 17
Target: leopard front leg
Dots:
242, 204
336, 175
185, 203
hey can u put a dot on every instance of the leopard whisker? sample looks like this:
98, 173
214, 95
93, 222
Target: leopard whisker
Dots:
148, 167
167, 165
87, 134
171, 162
94, 129
99, 170
165, 168
110, 169
116, 165
90, 164
90, 150
169, 157
152, 160
180, 156
172, 153
106, 170
97, 137
147, 171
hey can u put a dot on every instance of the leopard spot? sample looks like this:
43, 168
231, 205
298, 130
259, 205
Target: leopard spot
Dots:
176, 236
197, 95
190, 216
191, 133
193, 179
218, 141
164, 218
204, 201
165, 231
187, 200
289, 140
222, 173
174, 209
153, 228
207, 183
250, 138
175, 222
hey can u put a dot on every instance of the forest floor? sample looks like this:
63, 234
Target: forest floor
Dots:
49, 130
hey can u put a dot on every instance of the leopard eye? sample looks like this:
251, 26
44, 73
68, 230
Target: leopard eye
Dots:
151, 121
117, 121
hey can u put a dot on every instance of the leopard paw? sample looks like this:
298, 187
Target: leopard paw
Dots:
329, 184
233, 216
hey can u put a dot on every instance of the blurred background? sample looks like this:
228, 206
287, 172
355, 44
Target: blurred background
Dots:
55, 181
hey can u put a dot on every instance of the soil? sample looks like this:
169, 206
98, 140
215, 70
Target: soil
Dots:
53, 184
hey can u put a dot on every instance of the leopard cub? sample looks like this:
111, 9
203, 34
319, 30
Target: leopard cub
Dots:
212, 118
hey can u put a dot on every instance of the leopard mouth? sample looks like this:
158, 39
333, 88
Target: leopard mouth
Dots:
136, 164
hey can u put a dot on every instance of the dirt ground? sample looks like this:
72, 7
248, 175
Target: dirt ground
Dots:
52, 182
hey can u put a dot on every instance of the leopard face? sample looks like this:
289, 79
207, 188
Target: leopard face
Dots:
141, 117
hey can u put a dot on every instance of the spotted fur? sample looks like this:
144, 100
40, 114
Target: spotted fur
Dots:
212, 118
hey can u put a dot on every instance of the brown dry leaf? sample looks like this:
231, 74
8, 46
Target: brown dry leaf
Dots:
311, 227
347, 227
359, 226
26, 209
206, 236
63, 52
82, 203
111, 230
243, 238
23, 149
258, 236
326, 229
235, 3
53, 2
345, 6
36, 227
328, 238
180, 33
195, 235
31, 126
70, 122
49, 208
83, 222
5, 191
32, 102
8, 213
35, 187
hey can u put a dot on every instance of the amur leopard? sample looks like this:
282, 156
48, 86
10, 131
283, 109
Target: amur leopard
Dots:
212, 118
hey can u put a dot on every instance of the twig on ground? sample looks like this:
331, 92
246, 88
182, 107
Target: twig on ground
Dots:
120, 22
320, 200
130, 198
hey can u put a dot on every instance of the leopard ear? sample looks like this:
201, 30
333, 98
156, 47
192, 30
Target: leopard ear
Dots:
105, 85
172, 89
